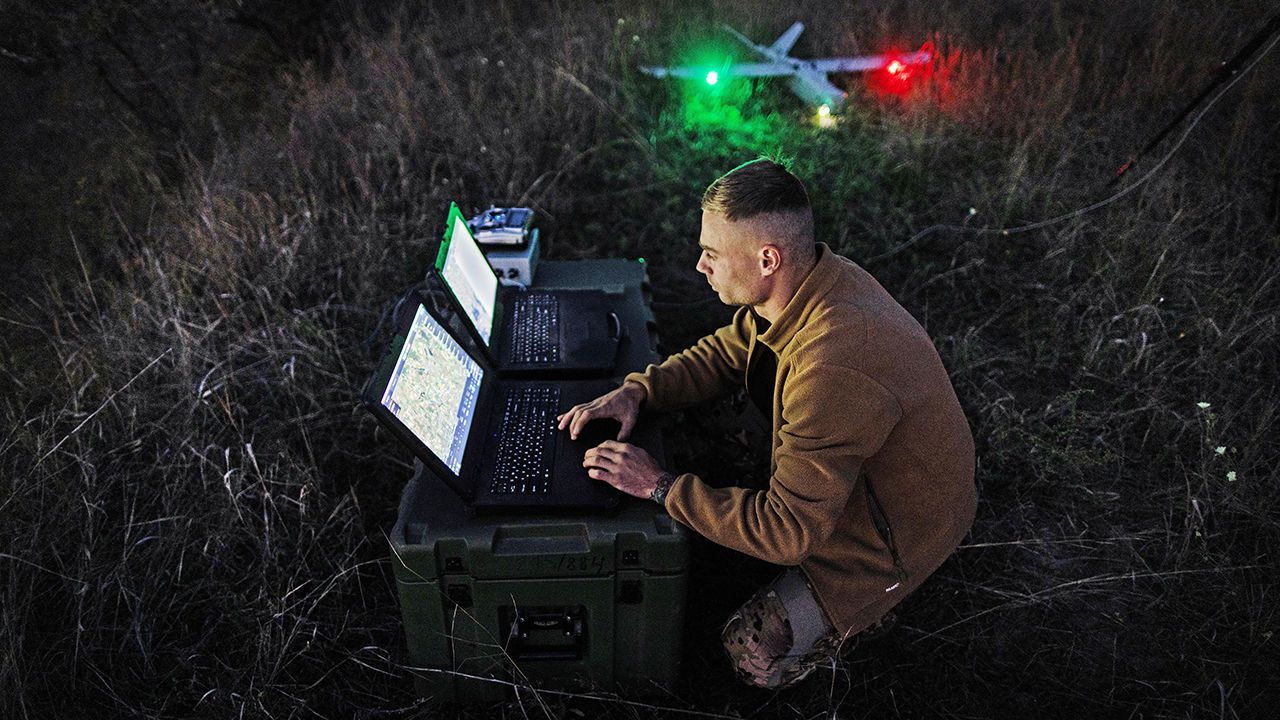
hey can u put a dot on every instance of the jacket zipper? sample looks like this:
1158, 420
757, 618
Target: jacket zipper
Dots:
885, 532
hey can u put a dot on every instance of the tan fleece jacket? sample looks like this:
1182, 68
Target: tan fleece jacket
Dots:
871, 484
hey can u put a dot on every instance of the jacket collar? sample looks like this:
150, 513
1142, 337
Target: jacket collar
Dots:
816, 284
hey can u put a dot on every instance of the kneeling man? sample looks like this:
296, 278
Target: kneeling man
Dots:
871, 478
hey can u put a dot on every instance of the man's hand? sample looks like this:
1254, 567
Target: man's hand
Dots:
624, 466
622, 404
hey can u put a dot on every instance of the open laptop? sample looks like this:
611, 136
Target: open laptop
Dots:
495, 442
525, 331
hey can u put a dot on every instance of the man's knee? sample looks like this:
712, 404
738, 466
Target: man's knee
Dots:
780, 635
757, 640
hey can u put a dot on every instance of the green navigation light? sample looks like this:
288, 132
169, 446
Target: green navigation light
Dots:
713, 77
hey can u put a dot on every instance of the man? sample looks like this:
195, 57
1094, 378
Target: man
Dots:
871, 479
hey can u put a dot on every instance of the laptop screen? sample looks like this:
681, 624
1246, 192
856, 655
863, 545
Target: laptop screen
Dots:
433, 389
468, 274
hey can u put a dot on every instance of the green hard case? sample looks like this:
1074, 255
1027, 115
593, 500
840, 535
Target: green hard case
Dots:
572, 602
564, 602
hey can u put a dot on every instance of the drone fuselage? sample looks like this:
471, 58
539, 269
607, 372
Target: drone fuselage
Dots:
808, 81
814, 88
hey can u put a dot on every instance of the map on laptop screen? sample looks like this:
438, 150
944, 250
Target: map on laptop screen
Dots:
434, 388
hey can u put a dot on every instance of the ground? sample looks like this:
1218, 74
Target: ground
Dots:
208, 212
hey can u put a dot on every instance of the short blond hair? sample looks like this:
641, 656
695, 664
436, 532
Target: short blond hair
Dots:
764, 191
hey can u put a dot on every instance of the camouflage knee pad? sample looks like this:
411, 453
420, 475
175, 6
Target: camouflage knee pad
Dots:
780, 634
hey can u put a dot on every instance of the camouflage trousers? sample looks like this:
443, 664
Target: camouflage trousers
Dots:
780, 634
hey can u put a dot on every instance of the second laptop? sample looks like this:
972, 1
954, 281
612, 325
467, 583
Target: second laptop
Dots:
523, 331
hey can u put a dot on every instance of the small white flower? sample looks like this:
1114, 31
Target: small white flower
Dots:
1203, 405
1221, 449
1231, 476
973, 211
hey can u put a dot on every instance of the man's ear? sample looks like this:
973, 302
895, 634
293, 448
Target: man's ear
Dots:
770, 259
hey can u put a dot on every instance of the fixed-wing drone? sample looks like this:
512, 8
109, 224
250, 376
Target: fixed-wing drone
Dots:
808, 78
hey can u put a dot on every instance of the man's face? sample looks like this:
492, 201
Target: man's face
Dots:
729, 260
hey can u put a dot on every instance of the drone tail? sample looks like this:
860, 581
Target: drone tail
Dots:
786, 40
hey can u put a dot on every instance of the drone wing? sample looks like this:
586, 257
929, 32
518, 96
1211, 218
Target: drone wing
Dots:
775, 69
739, 70
678, 72
863, 63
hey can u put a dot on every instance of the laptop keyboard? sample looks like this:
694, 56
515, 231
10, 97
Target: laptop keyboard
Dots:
535, 328
526, 438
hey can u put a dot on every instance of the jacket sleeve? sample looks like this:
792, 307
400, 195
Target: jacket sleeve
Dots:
833, 419
705, 370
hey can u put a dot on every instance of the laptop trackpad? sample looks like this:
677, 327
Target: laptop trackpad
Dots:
572, 452
596, 432
588, 335
646, 435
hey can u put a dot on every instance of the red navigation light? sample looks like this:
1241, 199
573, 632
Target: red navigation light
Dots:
901, 73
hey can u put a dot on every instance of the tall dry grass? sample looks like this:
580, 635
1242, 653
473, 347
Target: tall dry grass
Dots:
192, 503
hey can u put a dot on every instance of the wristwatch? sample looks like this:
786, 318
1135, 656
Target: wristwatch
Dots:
663, 486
